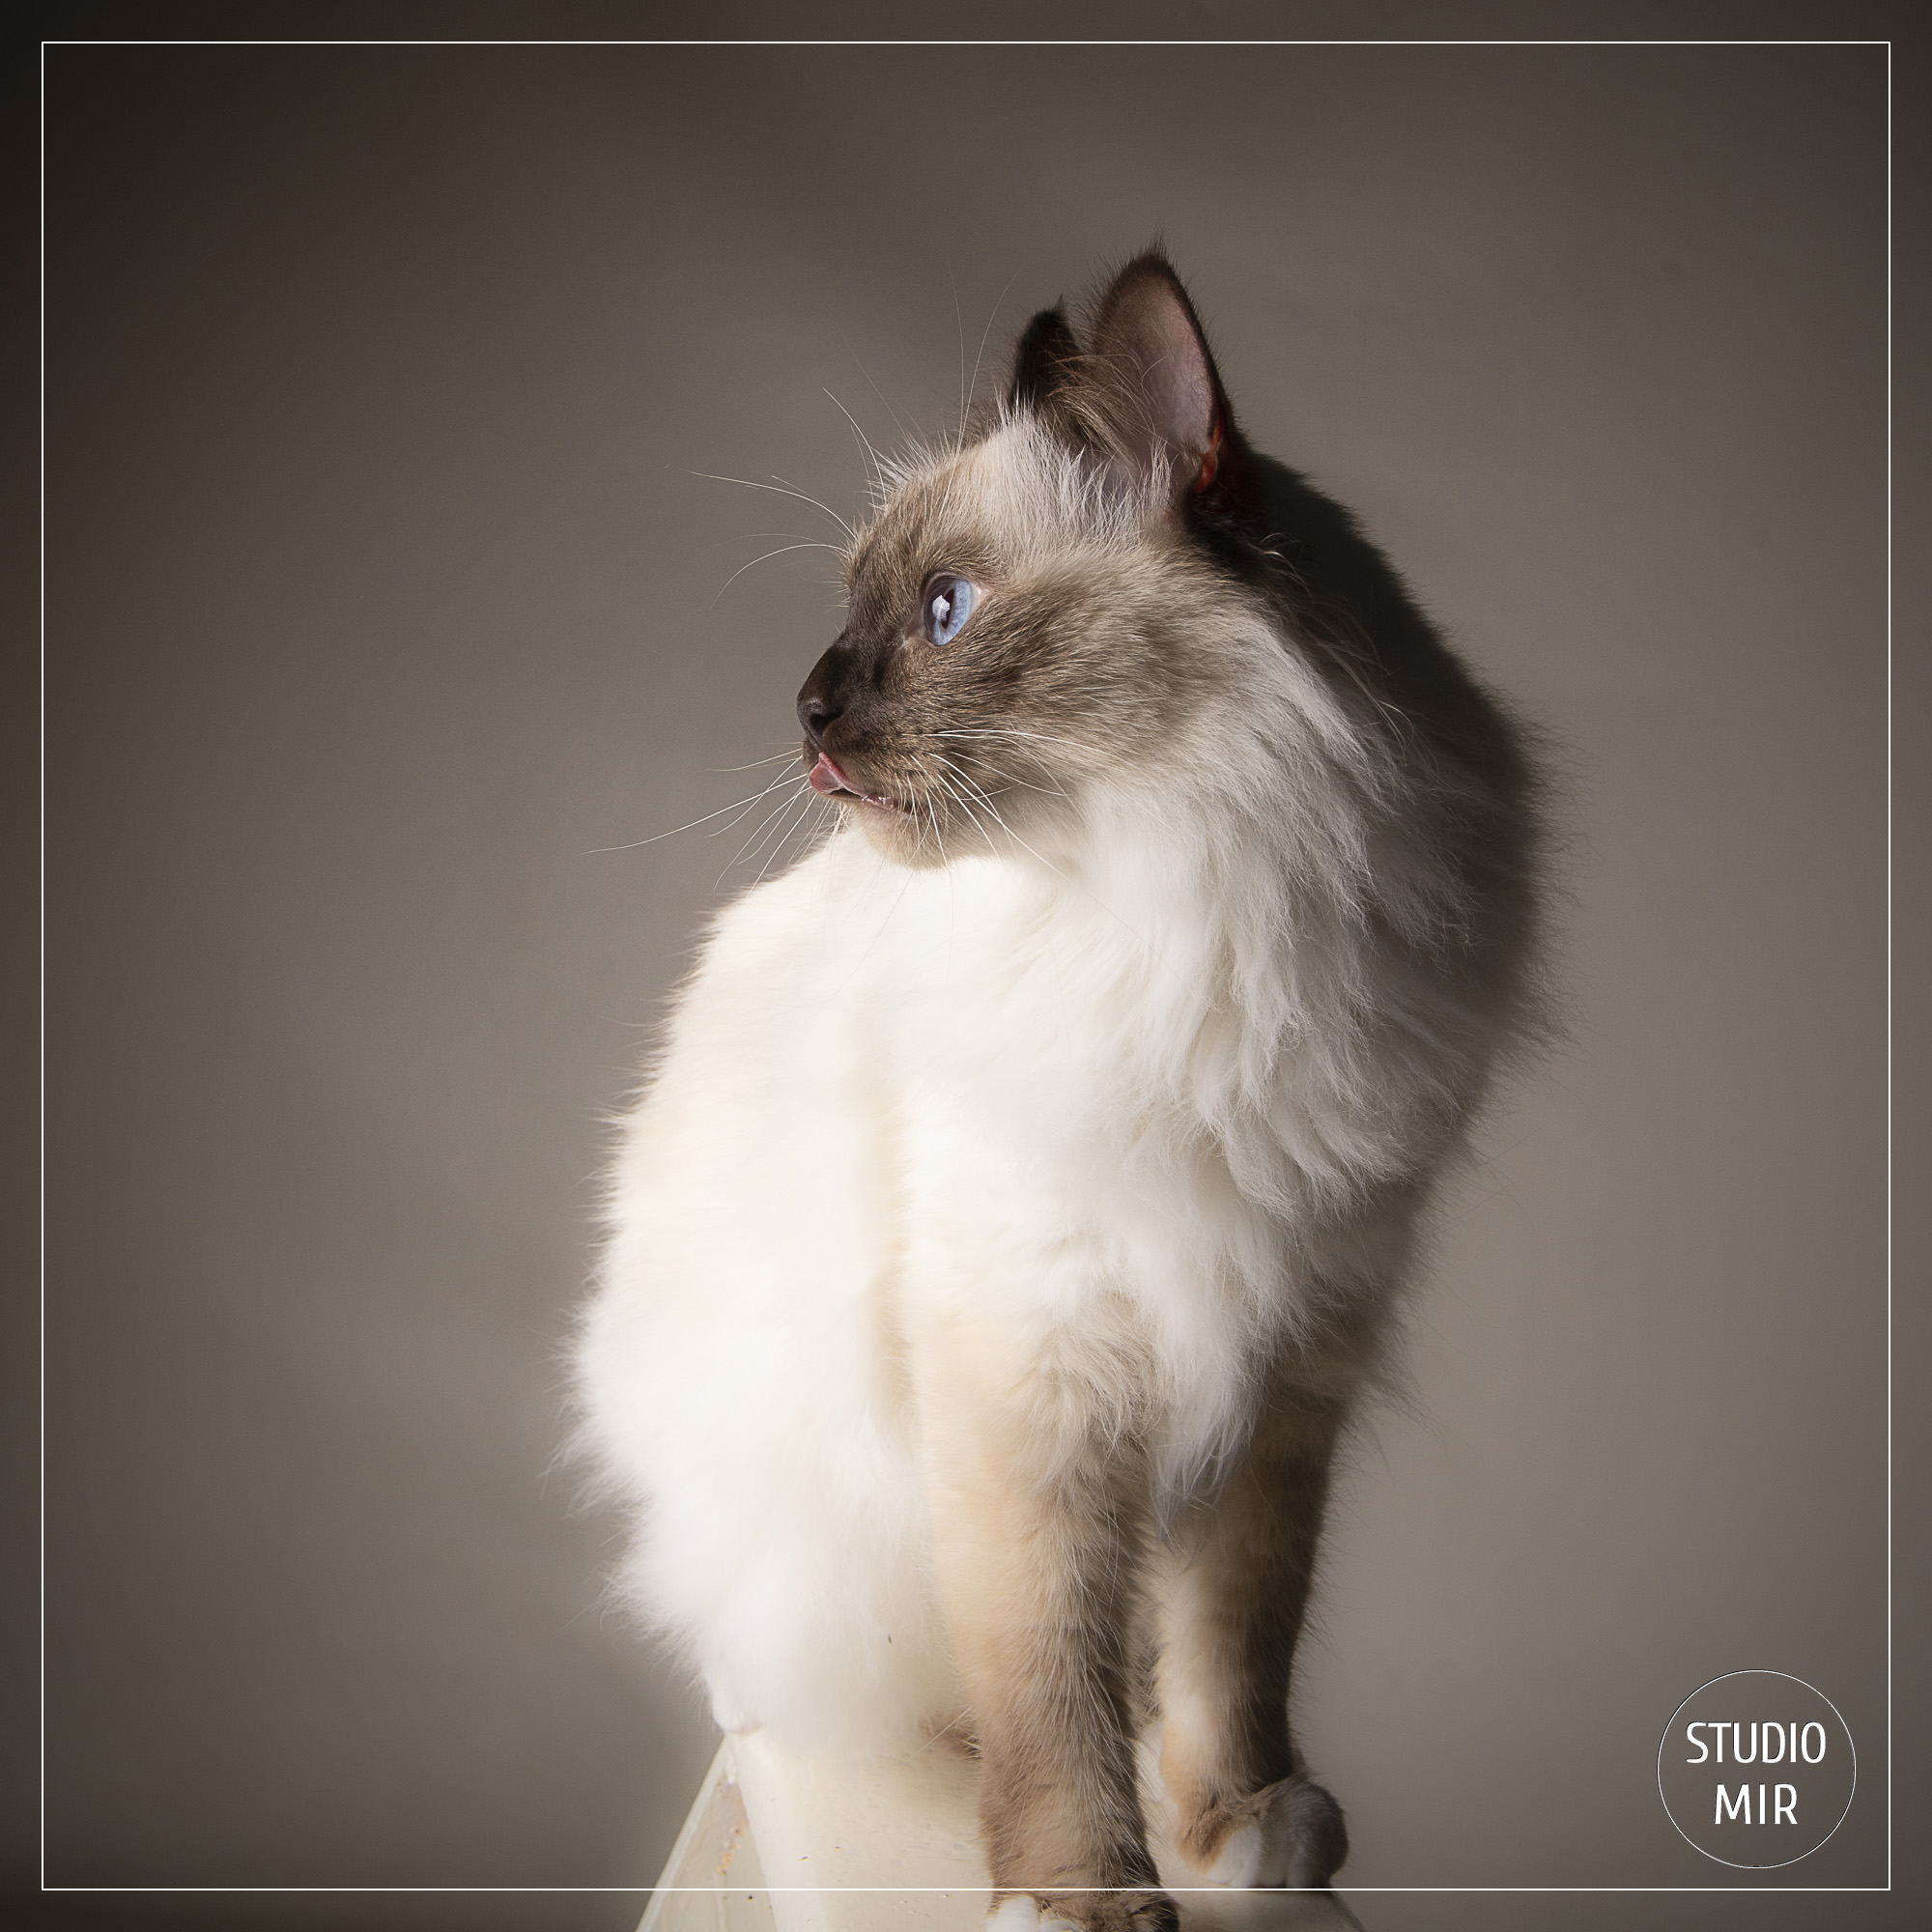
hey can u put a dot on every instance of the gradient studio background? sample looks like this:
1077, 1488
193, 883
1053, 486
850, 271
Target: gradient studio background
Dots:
383, 598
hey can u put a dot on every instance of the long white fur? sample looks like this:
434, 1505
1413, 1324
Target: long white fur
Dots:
1115, 1111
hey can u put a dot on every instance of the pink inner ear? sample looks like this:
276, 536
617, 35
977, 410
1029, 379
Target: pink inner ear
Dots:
1161, 365
1179, 394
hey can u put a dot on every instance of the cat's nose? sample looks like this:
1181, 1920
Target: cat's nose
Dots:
814, 714
834, 687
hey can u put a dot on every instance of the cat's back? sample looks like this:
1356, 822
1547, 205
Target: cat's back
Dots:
1339, 589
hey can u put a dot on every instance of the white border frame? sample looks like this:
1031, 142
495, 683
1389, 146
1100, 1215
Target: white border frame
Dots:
994, 44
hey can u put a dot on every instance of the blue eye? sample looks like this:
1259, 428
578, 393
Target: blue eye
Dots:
949, 602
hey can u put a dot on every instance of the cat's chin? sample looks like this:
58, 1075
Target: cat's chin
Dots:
900, 836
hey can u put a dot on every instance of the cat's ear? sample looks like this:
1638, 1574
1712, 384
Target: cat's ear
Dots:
1045, 364
1156, 385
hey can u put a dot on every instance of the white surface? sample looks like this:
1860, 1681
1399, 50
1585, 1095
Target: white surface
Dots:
850, 1844
712, 1882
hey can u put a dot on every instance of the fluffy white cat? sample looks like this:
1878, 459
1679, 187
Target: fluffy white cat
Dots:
1021, 1195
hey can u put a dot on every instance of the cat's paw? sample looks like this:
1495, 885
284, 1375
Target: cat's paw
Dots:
1289, 1834
1084, 1911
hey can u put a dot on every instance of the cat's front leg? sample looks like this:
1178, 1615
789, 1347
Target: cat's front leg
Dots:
1037, 1514
1236, 1582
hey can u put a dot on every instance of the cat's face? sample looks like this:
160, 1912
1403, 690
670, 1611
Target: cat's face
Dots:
1023, 623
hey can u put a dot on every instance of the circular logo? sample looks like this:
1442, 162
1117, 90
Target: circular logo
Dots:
1756, 1769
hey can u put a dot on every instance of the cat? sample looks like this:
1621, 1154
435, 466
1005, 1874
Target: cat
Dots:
1021, 1199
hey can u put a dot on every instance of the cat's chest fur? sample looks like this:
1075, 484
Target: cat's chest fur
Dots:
967, 1112
996, 1033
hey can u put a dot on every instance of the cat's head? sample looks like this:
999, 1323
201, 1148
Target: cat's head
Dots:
1042, 610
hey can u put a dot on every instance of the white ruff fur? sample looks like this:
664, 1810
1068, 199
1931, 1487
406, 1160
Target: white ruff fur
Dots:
1118, 1116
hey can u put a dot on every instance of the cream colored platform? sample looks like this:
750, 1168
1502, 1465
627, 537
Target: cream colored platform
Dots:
779, 1843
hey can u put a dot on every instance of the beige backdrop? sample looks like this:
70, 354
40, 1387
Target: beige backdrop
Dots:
383, 597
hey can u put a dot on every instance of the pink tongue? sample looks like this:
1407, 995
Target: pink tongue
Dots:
826, 777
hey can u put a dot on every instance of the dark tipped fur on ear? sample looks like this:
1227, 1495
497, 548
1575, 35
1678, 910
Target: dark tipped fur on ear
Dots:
1162, 390
1047, 360
1148, 394
1148, 352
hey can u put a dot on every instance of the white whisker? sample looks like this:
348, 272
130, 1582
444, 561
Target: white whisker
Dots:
1007, 732
1003, 777
973, 387
959, 797
754, 843
772, 858
783, 550
959, 325
909, 431
731, 824
785, 483
878, 483
790, 751
780, 488
740, 806
1087, 891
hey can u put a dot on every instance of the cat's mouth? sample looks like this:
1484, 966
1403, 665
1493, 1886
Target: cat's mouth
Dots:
827, 778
